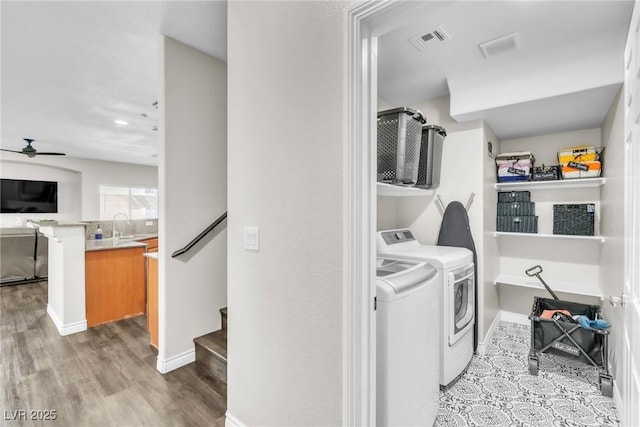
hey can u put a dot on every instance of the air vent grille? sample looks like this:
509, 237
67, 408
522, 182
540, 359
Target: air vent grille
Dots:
500, 45
424, 40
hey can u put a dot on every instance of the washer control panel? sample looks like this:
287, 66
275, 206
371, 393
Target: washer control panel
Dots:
392, 237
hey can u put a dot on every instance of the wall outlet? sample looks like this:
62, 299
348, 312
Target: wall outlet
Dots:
252, 238
148, 223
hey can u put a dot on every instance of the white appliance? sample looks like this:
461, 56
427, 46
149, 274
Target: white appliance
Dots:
407, 360
456, 277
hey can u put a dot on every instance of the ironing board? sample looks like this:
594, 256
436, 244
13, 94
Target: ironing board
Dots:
455, 231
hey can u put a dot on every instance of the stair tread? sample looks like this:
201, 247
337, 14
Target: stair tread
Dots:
215, 342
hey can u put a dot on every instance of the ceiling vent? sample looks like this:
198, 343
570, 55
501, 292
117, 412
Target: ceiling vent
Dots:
424, 40
500, 45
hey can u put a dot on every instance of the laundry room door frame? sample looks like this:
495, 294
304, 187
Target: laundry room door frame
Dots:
365, 23
630, 390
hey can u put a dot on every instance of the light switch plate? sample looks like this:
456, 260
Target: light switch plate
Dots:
252, 238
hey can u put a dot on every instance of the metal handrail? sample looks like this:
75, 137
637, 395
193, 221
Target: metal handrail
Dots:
200, 236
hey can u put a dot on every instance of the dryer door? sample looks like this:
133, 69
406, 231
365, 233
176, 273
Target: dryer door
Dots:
461, 288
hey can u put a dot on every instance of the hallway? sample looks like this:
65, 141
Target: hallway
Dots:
104, 376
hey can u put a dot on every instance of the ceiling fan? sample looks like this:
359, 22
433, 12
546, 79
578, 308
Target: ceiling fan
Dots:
31, 152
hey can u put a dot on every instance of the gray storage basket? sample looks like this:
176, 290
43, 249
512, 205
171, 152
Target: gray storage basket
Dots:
431, 156
516, 208
399, 140
517, 224
574, 220
514, 196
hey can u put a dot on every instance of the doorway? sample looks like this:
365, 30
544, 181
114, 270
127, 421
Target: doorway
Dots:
365, 24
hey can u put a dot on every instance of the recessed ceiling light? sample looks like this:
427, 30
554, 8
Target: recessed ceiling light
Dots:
120, 122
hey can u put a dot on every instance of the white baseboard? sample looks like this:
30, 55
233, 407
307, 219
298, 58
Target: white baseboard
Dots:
503, 316
69, 328
617, 398
231, 421
482, 346
175, 362
508, 316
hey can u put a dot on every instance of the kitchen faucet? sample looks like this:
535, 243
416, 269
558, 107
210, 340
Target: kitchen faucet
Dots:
114, 231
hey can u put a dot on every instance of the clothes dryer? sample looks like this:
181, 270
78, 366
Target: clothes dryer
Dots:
456, 277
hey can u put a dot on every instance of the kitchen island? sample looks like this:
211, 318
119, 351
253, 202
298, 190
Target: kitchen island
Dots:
115, 280
66, 289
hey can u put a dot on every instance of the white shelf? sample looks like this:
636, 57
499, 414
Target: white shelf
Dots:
401, 191
556, 286
548, 185
550, 236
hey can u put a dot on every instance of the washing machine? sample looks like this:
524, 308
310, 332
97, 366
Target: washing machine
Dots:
407, 359
456, 279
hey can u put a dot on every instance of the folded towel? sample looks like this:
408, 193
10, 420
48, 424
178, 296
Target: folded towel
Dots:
587, 323
548, 314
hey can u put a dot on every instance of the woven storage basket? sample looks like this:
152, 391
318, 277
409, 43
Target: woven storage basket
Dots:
516, 208
590, 169
546, 173
514, 196
574, 220
578, 154
514, 166
517, 224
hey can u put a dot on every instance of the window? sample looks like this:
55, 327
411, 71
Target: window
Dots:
135, 202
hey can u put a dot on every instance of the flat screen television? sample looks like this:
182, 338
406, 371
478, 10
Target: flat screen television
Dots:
26, 196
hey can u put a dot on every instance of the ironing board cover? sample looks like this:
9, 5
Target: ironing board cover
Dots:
455, 231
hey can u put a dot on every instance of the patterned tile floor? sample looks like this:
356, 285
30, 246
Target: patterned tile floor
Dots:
497, 389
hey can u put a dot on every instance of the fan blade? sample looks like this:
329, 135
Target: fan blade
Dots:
11, 151
40, 153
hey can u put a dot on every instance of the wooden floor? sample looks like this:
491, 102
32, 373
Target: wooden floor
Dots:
104, 376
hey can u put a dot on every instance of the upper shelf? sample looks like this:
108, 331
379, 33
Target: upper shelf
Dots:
401, 191
541, 185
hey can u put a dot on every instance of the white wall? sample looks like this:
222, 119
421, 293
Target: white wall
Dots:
286, 121
193, 190
612, 226
78, 182
488, 300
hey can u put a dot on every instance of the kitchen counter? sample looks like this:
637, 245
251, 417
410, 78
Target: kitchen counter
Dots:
119, 243
53, 223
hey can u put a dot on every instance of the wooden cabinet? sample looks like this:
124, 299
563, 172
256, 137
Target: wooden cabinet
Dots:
152, 244
114, 284
152, 300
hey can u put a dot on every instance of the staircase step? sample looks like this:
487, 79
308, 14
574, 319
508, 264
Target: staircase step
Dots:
211, 359
223, 315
